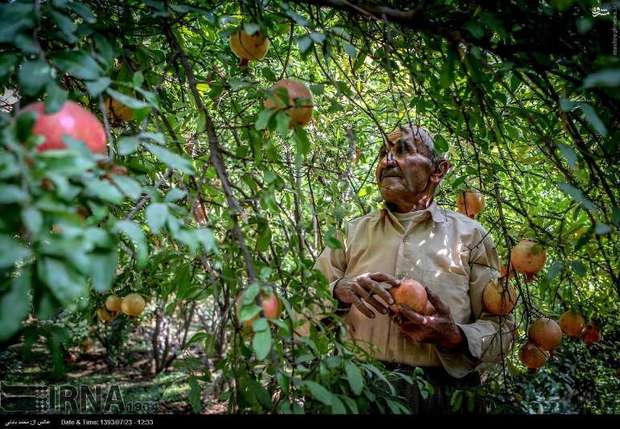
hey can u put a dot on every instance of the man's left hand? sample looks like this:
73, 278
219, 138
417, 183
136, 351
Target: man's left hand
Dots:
438, 328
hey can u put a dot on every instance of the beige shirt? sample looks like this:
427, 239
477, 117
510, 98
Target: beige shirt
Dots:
446, 251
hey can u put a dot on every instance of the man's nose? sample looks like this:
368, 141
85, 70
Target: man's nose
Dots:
389, 159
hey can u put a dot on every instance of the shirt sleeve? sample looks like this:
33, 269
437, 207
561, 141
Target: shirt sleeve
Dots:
485, 344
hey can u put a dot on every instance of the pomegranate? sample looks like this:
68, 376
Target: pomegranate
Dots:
299, 104
545, 333
412, 294
271, 307
118, 111
470, 203
499, 300
72, 120
133, 304
528, 257
533, 357
248, 47
591, 334
572, 323
104, 316
113, 303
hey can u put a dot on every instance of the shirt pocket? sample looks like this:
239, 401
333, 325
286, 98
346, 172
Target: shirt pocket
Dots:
452, 289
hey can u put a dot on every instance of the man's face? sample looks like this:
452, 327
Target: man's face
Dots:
405, 171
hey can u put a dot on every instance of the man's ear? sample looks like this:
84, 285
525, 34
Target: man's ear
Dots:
441, 169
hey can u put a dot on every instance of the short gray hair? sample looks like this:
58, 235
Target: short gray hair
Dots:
421, 134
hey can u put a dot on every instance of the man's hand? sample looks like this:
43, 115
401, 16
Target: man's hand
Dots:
438, 328
359, 292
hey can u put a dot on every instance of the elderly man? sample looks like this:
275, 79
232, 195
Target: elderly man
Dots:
449, 253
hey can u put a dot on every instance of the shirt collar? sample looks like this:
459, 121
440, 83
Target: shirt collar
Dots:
432, 209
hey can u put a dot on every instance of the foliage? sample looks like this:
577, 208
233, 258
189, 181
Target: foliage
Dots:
523, 97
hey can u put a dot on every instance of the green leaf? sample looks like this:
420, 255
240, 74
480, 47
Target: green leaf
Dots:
66, 25
32, 219
337, 406
263, 118
282, 123
569, 154
128, 186
350, 49
474, 28
354, 376
578, 268
304, 43
247, 312
171, 159
602, 229
64, 281
128, 145
206, 238
156, 216
156, 137
137, 237
84, 11
96, 87
300, 20
260, 325
593, 119
104, 191
608, 77
56, 97
131, 102
577, 195
317, 37
33, 76
332, 241
15, 17
11, 251
250, 28
7, 64
250, 293
103, 269
319, 392
26, 44
78, 64
10, 194
15, 305
303, 142
175, 194
555, 269
588, 112
194, 397
261, 343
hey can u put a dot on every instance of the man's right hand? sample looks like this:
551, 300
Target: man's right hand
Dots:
359, 291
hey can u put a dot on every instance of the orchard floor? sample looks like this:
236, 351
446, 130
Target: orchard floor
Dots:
88, 373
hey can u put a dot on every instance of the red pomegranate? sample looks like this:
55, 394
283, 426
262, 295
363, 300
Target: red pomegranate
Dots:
572, 323
545, 333
591, 334
71, 120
